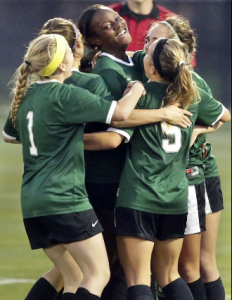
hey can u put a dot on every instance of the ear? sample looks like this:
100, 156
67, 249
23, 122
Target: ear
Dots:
95, 41
152, 70
62, 67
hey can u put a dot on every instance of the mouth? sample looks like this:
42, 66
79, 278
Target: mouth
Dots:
122, 34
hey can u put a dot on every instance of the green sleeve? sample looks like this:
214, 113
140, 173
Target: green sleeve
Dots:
210, 110
126, 132
81, 106
9, 131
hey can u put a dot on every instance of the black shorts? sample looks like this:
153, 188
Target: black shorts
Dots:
149, 226
48, 231
102, 195
213, 195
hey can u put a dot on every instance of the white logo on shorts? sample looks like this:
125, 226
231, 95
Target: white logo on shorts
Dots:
94, 224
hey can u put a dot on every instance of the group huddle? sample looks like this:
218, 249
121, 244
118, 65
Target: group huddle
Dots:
120, 187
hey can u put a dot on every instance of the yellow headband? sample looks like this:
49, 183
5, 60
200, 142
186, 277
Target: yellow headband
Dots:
58, 57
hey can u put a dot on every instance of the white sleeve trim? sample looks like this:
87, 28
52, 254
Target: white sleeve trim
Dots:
9, 137
111, 112
123, 133
223, 111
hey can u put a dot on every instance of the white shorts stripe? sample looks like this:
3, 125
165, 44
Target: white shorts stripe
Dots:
193, 221
208, 209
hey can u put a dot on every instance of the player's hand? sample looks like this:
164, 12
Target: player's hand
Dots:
95, 59
130, 85
177, 116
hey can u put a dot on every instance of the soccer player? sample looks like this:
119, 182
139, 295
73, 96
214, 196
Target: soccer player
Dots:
51, 282
140, 15
179, 27
47, 118
152, 201
104, 29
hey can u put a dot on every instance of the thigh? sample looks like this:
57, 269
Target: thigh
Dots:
135, 256
107, 220
165, 261
89, 254
209, 238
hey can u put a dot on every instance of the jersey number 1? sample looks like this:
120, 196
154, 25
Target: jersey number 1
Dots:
33, 149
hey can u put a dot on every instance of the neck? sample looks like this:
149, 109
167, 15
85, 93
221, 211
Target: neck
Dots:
158, 78
143, 8
120, 54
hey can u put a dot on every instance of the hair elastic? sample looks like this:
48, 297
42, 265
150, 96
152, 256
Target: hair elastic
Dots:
182, 62
156, 56
171, 28
28, 63
76, 32
58, 57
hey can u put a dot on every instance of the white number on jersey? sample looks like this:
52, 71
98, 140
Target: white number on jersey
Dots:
174, 131
33, 149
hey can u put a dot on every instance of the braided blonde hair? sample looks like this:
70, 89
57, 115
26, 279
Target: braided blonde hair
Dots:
39, 54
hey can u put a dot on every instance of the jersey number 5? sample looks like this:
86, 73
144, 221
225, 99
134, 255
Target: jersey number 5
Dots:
33, 149
176, 133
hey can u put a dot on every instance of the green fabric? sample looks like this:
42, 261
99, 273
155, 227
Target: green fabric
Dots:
153, 179
54, 172
106, 166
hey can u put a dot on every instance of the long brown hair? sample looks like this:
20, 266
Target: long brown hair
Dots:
63, 27
173, 60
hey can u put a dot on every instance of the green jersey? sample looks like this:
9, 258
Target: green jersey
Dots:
106, 166
90, 82
195, 169
50, 127
153, 179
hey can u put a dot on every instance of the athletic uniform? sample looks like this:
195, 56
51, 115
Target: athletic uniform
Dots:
197, 203
152, 201
104, 168
54, 201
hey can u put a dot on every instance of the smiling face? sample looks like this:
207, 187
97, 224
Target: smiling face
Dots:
110, 30
159, 31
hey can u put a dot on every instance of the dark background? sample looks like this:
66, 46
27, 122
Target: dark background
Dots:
21, 20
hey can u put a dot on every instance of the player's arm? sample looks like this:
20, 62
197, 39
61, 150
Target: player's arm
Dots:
199, 130
102, 140
7, 140
171, 114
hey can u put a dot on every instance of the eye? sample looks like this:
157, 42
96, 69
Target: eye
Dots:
108, 26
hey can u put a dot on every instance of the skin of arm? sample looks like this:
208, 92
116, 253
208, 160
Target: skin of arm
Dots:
102, 141
199, 130
9, 141
171, 114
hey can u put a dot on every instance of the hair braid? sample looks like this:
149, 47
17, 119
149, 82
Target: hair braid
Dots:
19, 91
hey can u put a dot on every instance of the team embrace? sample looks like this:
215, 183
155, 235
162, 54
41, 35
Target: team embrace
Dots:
120, 187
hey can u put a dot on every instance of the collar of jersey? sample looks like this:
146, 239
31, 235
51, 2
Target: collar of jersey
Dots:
47, 81
75, 70
130, 64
